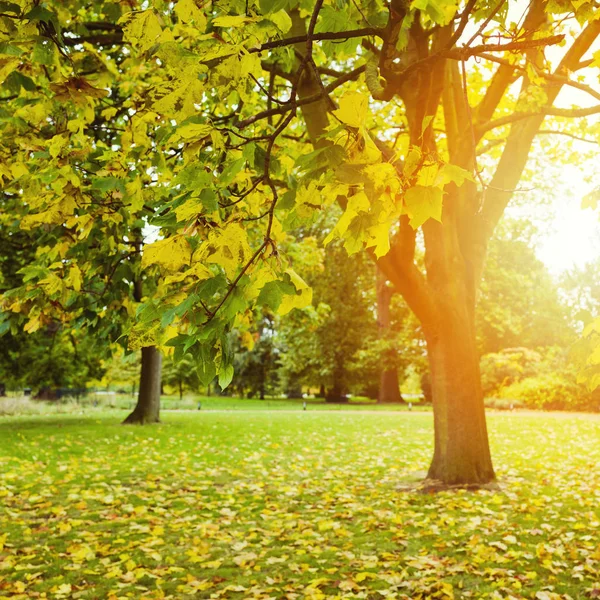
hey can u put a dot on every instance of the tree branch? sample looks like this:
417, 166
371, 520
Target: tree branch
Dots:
570, 113
317, 37
548, 76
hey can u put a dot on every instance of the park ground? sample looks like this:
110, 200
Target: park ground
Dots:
292, 505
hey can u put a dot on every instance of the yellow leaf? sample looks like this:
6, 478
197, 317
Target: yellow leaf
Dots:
188, 11
354, 108
179, 98
32, 325
193, 131
75, 277
18, 169
7, 66
364, 575
423, 203
235, 21
192, 207
141, 28
134, 196
56, 144
172, 253
228, 248
301, 299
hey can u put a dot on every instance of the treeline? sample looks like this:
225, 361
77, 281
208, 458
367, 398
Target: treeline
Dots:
357, 337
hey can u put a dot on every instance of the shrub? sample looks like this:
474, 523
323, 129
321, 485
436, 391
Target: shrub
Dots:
549, 391
500, 369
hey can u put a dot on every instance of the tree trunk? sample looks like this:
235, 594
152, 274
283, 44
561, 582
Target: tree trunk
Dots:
338, 388
461, 451
148, 404
389, 387
180, 390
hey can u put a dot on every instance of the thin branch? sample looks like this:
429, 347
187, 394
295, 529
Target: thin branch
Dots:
548, 76
570, 113
486, 22
567, 134
464, 19
464, 52
288, 106
317, 37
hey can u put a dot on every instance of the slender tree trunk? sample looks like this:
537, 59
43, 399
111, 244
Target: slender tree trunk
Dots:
180, 390
148, 405
389, 387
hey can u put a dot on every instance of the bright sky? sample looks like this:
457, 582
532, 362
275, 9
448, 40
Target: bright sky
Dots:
572, 238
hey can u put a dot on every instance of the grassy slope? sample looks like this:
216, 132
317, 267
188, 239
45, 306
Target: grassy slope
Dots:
265, 504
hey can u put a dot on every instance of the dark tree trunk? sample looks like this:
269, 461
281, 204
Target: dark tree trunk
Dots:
461, 451
322, 392
148, 405
180, 390
389, 386
337, 393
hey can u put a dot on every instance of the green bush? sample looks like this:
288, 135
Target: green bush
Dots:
500, 369
549, 391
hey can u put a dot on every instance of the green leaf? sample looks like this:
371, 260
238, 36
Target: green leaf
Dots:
272, 294
271, 6
225, 376
10, 50
11, 7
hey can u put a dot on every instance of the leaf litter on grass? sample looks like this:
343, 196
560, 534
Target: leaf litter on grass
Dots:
292, 506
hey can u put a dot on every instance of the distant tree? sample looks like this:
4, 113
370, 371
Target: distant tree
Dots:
519, 302
48, 359
181, 374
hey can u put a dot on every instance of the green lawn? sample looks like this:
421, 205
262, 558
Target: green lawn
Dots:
298, 505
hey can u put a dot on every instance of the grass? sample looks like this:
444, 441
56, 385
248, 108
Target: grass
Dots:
96, 403
304, 505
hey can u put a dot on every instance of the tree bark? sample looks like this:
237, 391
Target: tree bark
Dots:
148, 404
389, 387
461, 449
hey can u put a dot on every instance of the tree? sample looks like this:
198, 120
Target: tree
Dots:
581, 286
82, 206
519, 303
389, 386
250, 136
256, 367
181, 374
